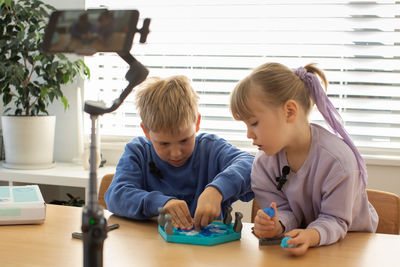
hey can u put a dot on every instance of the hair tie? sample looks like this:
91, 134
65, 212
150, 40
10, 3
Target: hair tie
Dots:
330, 114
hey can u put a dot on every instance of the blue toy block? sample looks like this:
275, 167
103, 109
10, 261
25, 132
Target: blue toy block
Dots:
284, 243
269, 211
213, 234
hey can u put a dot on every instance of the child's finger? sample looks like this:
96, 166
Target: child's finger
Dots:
296, 239
264, 223
266, 228
263, 215
202, 218
186, 219
297, 250
175, 223
200, 221
180, 215
293, 233
186, 214
177, 220
273, 205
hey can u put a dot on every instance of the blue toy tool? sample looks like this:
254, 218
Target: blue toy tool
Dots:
269, 211
213, 234
284, 243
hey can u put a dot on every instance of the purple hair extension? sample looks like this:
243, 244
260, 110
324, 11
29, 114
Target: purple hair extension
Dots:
330, 114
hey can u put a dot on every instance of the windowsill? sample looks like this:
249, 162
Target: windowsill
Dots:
382, 160
63, 174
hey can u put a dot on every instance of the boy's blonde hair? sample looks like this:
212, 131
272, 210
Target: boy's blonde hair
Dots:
167, 104
279, 84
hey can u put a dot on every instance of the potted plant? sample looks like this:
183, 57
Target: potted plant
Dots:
29, 81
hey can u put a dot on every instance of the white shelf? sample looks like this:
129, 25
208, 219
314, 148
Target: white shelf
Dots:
63, 174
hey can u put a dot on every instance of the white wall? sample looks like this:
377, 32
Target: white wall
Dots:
68, 144
385, 178
68, 141
66, 4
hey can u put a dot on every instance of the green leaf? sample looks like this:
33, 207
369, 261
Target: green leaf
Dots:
6, 99
7, 2
43, 92
62, 56
66, 78
65, 102
4, 86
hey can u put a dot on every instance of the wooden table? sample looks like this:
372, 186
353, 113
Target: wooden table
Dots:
137, 243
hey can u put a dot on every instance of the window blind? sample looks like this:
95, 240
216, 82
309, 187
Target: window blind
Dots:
217, 43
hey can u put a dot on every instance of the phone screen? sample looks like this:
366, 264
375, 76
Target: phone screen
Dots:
89, 31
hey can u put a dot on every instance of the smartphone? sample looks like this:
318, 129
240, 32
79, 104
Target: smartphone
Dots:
87, 32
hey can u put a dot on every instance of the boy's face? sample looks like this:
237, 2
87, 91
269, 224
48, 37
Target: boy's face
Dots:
175, 149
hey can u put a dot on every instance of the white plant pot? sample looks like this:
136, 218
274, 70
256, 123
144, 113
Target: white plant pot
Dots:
28, 141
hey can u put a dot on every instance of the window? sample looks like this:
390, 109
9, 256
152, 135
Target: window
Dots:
217, 43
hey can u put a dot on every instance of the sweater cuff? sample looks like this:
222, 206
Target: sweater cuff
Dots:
225, 189
323, 234
156, 203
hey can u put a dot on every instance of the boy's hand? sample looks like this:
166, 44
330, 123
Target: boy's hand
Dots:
302, 239
265, 226
208, 207
180, 214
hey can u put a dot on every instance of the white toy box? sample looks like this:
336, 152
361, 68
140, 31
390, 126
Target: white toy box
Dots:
21, 205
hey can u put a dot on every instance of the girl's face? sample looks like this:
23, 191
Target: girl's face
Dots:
267, 125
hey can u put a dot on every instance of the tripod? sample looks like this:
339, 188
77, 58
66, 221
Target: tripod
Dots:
94, 225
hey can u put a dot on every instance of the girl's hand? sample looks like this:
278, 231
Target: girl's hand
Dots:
265, 226
180, 214
302, 239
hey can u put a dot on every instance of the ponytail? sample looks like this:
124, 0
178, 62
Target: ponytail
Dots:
328, 111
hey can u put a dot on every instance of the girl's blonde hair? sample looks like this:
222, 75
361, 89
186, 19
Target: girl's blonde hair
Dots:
167, 104
278, 83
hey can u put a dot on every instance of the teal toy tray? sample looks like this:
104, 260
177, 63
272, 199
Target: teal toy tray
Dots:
213, 234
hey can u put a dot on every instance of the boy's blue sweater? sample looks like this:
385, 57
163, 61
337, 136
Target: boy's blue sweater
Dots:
137, 193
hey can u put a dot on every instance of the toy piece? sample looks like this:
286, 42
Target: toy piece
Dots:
269, 211
213, 234
161, 216
284, 243
269, 241
237, 227
227, 215
168, 224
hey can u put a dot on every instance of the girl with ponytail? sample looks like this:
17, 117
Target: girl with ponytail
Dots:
314, 179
